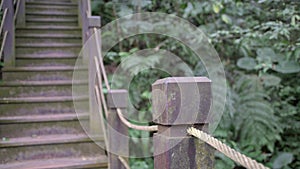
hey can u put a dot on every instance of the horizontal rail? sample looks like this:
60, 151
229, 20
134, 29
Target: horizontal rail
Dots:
97, 92
100, 59
3, 43
100, 85
3, 19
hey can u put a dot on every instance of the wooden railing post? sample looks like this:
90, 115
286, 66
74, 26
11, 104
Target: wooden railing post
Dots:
9, 25
117, 131
20, 16
179, 103
83, 19
95, 123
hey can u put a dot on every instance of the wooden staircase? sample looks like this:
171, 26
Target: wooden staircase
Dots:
39, 127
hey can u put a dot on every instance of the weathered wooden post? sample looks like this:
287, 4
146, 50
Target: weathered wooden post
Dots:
83, 18
179, 103
9, 26
92, 51
117, 131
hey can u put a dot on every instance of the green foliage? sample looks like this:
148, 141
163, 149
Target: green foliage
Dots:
259, 43
282, 160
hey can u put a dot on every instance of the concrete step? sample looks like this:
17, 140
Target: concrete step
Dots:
99, 162
50, 27
45, 108
47, 0
36, 129
51, 9
47, 62
65, 17
49, 152
47, 56
54, 20
43, 118
48, 45
48, 51
51, 22
42, 88
48, 30
42, 73
49, 35
46, 13
52, 3
50, 99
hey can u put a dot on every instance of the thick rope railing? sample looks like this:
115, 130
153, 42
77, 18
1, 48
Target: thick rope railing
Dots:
133, 126
226, 150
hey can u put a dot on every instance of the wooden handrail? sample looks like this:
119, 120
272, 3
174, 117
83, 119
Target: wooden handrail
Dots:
17, 9
1, 4
2, 44
3, 20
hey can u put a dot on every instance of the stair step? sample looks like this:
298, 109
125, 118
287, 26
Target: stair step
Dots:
61, 163
48, 45
49, 27
48, 30
48, 139
13, 100
48, 51
52, 9
47, 62
56, 20
51, 108
51, 23
43, 75
47, 13
47, 35
43, 153
47, 56
40, 83
43, 89
35, 129
43, 118
52, 3
41, 69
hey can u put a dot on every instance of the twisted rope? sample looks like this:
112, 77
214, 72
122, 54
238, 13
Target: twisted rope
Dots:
133, 126
229, 152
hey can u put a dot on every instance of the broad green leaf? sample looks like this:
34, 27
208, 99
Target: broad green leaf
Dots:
282, 159
270, 80
226, 19
264, 53
287, 67
123, 54
216, 8
246, 63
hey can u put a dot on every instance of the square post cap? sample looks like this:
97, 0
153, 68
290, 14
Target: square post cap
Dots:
181, 100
